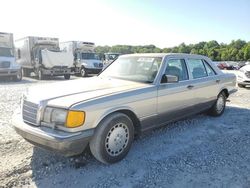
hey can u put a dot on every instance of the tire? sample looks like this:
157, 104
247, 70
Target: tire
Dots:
113, 138
19, 76
241, 86
219, 106
66, 76
83, 72
40, 74
26, 72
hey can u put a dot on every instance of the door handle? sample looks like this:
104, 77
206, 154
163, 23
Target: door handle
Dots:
217, 81
190, 86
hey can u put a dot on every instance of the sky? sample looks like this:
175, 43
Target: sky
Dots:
164, 23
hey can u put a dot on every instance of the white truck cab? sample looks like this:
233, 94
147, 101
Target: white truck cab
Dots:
86, 60
8, 65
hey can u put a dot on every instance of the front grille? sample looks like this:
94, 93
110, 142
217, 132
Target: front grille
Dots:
5, 64
30, 112
98, 65
247, 74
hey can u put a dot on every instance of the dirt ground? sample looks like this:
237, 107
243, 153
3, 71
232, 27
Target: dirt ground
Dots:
200, 151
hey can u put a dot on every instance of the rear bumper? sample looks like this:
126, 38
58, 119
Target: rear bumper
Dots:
9, 72
66, 143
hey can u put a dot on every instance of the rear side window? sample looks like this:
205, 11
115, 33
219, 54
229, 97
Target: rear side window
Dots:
177, 67
197, 68
209, 69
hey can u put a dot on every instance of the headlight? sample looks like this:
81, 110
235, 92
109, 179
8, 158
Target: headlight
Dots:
68, 118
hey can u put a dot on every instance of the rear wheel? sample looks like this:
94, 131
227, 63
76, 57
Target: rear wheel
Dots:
219, 106
113, 138
67, 76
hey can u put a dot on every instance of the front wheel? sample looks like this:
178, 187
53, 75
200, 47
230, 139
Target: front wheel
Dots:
19, 76
67, 76
83, 72
113, 138
219, 106
40, 75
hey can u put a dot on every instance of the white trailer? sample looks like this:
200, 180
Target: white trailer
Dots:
86, 60
8, 65
42, 56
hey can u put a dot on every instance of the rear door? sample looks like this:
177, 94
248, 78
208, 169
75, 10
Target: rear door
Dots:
205, 82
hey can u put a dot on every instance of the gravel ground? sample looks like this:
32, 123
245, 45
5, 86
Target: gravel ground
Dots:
200, 151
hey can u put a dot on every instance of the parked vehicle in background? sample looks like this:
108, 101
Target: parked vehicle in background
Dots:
86, 60
244, 76
110, 57
42, 56
223, 65
8, 65
135, 93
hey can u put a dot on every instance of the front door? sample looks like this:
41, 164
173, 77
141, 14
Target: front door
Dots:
175, 99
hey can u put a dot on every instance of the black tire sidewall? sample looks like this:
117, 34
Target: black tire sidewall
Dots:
20, 76
215, 107
67, 76
85, 74
40, 75
118, 119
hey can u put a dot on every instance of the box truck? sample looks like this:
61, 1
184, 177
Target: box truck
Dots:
8, 65
86, 60
42, 56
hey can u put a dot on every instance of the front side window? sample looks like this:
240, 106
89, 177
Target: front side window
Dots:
134, 68
197, 68
6, 52
177, 67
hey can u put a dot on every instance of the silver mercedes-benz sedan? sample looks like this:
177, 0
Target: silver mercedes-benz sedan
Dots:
135, 93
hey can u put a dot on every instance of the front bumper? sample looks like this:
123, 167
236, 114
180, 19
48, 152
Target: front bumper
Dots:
243, 80
9, 72
57, 71
246, 83
93, 70
66, 143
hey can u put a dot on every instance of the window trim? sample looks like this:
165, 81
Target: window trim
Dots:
206, 63
191, 72
165, 66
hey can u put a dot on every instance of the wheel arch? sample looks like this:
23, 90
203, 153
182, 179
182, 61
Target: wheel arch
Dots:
127, 111
225, 90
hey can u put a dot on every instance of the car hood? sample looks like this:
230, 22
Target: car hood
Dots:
68, 93
246, 68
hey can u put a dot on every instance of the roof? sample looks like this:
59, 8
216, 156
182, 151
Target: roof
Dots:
164, 55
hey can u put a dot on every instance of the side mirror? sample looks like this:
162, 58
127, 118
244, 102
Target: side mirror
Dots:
169, 79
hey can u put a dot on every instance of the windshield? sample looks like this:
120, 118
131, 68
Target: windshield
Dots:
139, 69
90, 56
111, 56
6, 52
